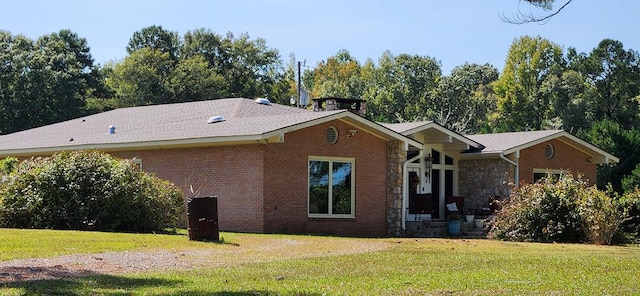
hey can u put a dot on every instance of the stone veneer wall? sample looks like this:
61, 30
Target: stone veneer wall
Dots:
481, 179
395, 155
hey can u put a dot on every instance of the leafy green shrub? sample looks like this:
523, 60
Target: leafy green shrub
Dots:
629, 231
8, 165
87, 190
600, 214
564, 209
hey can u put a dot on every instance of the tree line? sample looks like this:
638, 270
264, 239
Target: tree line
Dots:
594, 95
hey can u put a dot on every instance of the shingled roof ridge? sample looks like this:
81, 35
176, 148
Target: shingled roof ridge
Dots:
237, 108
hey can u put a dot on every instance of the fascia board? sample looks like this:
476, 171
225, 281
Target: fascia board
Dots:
444, 130
569, 136
138, 145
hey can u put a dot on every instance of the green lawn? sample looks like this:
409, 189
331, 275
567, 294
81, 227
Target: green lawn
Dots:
402, 267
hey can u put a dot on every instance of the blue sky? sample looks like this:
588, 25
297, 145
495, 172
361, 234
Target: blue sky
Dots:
452, 31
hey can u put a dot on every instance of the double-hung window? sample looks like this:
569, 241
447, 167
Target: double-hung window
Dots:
331, 187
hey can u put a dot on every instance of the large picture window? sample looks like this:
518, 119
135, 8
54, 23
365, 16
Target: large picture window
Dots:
331, 187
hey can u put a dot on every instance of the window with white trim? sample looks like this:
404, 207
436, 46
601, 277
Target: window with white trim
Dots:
539, 174
331, 187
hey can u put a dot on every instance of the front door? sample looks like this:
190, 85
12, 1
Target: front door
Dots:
441, 187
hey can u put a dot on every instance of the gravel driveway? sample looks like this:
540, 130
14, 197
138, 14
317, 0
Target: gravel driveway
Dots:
213, 255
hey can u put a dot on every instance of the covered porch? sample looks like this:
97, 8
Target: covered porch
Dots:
431, 175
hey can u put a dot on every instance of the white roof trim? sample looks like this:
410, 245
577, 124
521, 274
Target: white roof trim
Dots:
608, 157
448, 132
349, 115
139, 145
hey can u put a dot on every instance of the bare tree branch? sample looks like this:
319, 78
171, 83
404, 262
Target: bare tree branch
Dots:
523, 18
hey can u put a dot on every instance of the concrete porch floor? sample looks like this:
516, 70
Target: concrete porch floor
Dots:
428, 228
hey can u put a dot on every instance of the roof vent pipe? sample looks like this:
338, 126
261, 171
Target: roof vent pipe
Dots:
112, 129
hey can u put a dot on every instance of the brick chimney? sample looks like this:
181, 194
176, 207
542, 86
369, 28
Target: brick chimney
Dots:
357, 106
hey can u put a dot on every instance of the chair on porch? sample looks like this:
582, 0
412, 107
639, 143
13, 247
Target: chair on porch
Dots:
420, 203
459, 202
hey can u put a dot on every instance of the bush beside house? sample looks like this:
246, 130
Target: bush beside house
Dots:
87, 190
558, 209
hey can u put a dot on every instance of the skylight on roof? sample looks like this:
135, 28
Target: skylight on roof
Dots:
215, 119
263, 101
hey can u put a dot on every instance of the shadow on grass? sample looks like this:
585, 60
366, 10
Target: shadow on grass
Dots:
59, 281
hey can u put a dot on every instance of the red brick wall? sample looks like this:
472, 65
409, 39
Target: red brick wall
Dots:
247, 202
233, 173
286, 183
565, 158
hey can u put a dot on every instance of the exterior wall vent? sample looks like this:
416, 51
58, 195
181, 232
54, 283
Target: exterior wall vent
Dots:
332, 135
215, 119
549, 151
263, 101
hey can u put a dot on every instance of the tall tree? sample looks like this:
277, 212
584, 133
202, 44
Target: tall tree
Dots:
44, 81
163, 69
338, 76
194, 80
615, 74
624, 143
156, 38
464, 99
249, 66
571, 101
523, 102
402, 87
142, 78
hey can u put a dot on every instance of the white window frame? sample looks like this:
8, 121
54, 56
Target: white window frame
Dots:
554, 172
331, 160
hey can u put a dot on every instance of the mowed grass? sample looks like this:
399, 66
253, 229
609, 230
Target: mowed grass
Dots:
393, 267
37, 243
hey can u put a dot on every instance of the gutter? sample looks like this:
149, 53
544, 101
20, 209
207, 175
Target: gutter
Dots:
405, 187
514, 163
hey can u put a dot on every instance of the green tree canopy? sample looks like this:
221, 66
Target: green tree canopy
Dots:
44, 81
155, 38
525, 87
615, 74
163, 68
465, 98
338, 76
401, 87
142, 78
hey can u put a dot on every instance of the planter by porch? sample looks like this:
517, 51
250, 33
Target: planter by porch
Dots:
470, 218
454, 227
479, 223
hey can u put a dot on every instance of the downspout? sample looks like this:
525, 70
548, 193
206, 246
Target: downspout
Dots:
405, 186
514, 163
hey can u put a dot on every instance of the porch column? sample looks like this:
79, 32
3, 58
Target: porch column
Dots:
395, 156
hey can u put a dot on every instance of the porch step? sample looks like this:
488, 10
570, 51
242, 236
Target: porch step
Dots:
440, 229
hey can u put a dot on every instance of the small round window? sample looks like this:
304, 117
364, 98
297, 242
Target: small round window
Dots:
332, 135
549, 151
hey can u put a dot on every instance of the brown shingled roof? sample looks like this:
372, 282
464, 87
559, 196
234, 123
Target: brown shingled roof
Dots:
502, 142
507, 143
185, 121
171, 124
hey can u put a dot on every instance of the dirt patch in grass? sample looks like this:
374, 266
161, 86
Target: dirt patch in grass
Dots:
241, 249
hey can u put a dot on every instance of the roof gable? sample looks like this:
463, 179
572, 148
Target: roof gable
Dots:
410, 128
507, 143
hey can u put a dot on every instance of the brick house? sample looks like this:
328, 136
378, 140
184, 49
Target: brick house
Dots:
281, 169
